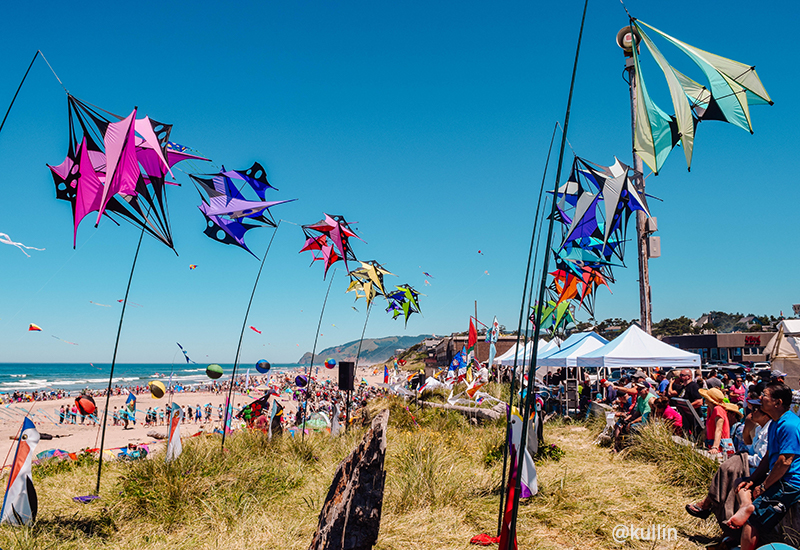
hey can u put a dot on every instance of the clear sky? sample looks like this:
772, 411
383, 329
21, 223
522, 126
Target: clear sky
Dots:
425, 122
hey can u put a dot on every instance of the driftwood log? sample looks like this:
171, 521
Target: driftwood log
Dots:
495, 413
351, 516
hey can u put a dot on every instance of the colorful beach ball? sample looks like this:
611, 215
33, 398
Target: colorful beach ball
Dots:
263, 366
157, 389
85, 404
214, 371
301, 381
330, 363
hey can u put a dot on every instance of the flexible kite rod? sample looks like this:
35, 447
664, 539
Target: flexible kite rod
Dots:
529, 398
522, 310
114, 362
228, 407
18, 89
355, 369
313, 355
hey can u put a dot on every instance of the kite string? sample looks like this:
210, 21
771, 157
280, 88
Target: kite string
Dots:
51, 70
15, 438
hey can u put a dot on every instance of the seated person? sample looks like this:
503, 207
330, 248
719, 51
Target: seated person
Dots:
718, 427
721, 497
768, 494
661, 409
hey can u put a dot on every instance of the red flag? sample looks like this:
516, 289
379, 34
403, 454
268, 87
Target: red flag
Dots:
512, 485
473, 337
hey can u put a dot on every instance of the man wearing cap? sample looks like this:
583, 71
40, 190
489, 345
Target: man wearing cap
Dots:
685, 388
768, 494
778, 376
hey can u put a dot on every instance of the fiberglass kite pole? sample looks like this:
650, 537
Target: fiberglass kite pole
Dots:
228, 405
114, 362
355, 370
313, 355
529, 398
522, 311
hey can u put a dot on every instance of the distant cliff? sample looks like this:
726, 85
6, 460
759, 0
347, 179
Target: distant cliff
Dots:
373, 350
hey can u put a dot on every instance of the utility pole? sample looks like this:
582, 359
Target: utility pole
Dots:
626, 41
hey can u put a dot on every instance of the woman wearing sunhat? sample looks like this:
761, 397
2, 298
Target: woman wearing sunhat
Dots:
718, 426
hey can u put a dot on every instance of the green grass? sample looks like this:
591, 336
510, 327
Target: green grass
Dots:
442, 488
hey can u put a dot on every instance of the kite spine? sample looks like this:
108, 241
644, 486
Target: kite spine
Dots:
114, 362
228, 410
522, 310
314, 354
530, 397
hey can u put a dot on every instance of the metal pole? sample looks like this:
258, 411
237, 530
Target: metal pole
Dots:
645, 306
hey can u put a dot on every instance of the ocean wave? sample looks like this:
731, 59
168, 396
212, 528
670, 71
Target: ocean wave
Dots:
18, 375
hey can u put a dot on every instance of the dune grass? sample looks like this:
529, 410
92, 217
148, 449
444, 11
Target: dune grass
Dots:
442, 488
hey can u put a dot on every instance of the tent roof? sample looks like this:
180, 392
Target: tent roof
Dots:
636, 348
507, 358
567, 355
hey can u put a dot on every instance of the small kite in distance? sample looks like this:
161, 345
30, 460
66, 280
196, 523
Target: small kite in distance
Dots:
5, 239
34, 328
481, 253
354, 309
429, 275
192, 266
133, 304
255, 329
185, 355
98, 304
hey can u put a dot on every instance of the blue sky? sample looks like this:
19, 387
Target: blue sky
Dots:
426, 123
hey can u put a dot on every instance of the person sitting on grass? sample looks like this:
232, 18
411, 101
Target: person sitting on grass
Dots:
768, 494
639, 415
721, 497
661, 409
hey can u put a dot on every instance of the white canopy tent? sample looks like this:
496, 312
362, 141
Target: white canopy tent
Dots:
636, 348
583, 343
784, 350
524, 353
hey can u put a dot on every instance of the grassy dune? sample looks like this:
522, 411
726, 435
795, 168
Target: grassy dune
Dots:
442, 488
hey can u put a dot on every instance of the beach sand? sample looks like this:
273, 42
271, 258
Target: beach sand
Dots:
75, 437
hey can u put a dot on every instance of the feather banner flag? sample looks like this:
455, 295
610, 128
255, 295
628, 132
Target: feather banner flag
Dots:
20, 503
491, 337
174, 447
130, 404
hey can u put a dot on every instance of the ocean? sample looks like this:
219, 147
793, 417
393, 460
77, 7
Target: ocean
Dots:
27, 377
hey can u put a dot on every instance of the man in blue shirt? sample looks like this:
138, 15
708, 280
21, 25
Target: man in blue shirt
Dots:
774, 487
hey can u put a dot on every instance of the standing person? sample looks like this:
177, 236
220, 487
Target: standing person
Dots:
189, 415
198, 414
685, 388
774, 487
713, 380
62, 413
737, 392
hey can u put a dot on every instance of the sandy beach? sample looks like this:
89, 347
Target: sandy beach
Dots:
75, 437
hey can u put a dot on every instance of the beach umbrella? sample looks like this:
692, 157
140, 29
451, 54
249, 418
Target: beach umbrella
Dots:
263, 366
330, 363
214, 371
301, 380
157, 389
